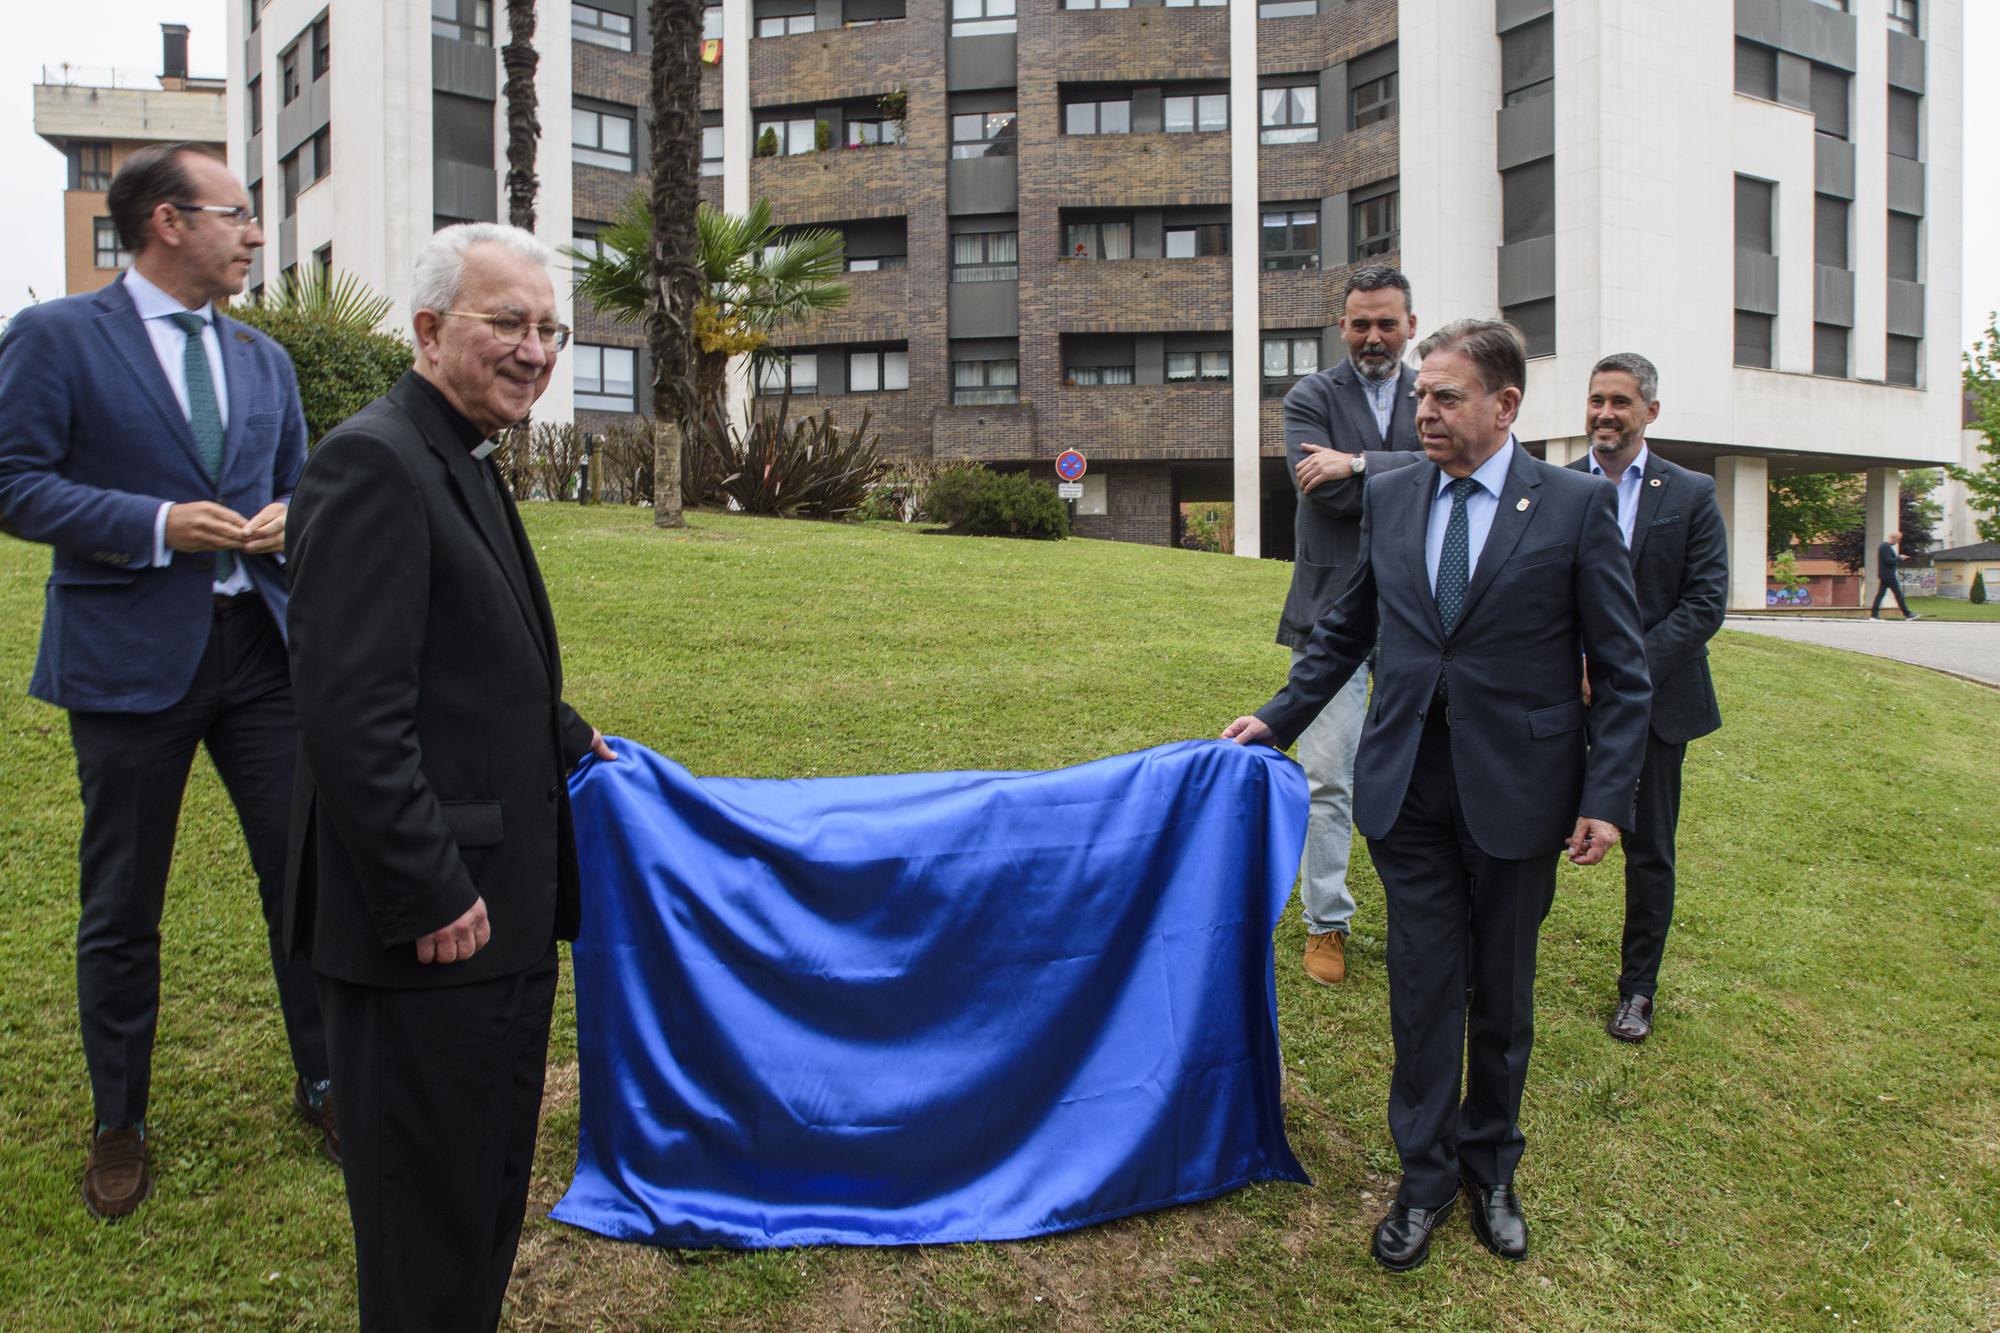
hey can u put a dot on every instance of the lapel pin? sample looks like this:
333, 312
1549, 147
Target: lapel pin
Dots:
1523, 506
1654, 482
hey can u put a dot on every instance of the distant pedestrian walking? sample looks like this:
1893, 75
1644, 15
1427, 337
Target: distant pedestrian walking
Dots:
1888, 573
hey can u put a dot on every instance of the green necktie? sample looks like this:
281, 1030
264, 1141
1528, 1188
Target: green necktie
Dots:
204, 414
1454, 563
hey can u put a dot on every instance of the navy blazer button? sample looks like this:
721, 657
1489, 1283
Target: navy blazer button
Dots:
1447, 654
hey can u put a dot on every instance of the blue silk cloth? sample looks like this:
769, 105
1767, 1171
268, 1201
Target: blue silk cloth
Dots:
930, 1007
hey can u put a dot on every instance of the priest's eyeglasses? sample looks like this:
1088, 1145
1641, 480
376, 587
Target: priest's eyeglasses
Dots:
513, 330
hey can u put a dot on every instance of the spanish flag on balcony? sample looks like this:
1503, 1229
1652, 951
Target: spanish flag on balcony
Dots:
711, 50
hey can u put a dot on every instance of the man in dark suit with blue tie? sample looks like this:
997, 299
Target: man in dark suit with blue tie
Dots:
153, 443
1674, 542
1483, 570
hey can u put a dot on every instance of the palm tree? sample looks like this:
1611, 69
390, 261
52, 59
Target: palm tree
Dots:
523, 126
754, 279
343, 302
674, 279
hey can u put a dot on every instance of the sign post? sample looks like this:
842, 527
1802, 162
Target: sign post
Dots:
1070, 467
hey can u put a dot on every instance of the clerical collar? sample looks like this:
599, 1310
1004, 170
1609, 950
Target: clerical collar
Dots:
467, 434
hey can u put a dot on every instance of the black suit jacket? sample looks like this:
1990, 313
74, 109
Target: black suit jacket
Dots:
1680, 569
434, 741
1331, 408
1530, 760
1888, 562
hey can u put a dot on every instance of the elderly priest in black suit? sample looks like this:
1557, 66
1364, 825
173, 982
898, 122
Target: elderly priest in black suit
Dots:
1484, 571
433, 863
1672, 529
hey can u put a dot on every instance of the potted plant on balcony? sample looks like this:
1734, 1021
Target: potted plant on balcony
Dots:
895, 109
767, 142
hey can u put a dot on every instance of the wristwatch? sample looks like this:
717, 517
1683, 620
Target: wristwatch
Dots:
1360, 464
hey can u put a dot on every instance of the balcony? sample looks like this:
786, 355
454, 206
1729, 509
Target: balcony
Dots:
1146, 420
834, 64
1299, 298
599, 192
1141, 170
877, 310
837, 183
1141, 295
1337, 33
1140, 44
1344, 162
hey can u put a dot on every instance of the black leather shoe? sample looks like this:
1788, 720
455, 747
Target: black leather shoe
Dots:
1634, 1019
1497, 1219
1403, 1238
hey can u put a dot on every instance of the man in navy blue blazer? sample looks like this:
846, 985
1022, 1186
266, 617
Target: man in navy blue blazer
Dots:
153, 443
1487, 574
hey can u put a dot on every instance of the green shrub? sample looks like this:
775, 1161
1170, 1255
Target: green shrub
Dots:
767, 142
1014, 504
810, 468
341, 368
945, 497
1979, 587
822, 135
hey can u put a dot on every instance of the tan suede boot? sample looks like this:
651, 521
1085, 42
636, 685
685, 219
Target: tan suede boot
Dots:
1326, 957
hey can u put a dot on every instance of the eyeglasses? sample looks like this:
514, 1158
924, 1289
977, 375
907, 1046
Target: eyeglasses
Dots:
513, 330
235, 214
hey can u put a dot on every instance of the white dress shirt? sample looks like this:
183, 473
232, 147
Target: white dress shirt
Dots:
1480, 507
170, 346
1628, 490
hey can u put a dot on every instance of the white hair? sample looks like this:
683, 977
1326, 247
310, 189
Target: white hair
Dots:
441, 266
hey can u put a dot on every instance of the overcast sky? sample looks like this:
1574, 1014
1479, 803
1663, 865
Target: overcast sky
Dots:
126, 34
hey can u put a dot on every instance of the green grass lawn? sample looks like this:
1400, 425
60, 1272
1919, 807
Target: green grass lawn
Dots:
1954, 608
1810, 1140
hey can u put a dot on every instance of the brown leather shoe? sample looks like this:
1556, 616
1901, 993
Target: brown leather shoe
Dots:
117, 1176
321, 1118
1326, 957
1634, 1019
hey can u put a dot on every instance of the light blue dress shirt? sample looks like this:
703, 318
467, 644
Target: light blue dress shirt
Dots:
170, 346
1381, 397
1628, 490
1480, 507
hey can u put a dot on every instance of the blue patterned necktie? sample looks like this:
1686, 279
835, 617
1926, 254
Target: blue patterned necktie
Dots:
1454, 565
204, 414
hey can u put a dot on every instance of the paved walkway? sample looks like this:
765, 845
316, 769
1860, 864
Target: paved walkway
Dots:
1966, 649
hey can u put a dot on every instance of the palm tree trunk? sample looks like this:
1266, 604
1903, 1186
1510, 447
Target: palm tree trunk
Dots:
523, 126
675, 273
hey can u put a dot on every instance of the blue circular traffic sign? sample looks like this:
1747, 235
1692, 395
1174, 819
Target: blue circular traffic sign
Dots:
1070, 465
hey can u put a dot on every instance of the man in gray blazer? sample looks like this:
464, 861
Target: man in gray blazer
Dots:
1342, 425
1483, 570
1674, 543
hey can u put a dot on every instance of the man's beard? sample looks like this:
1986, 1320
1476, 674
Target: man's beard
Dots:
1617, 445
1386, 367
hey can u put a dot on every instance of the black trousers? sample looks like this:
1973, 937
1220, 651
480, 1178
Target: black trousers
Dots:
1649, 868
1889, 585
1463, 927
133, 770
440, 1091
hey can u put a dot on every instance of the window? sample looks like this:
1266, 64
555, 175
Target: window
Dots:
869, 133
90, 166
1830, 350
1195, 4
1188, 367
1753, 339
463, 20
787, 138
1108, 117
601, 138
288, 77
1754, 205
323, 261
253, 105
606, 377
461, 129
1903, 17
257, 200
322, 155
605, 27
1528, 62
1288, 115
984, 256
1098, 240
1905, 235
974, 18
586, 242
1904, 124
978, 383
1829, 231
1372, 101
108, 250
711, 150
1291, 238
868, 13
875, 263
1198, 112
711, 23
322, 46
1287, 9
1756, 70
1902, 363
797, 374
877, 372
1097, 4
1537, 322
288, 169
784, 25
1198, 241
1288, 358
1092, 376
1829, 100
982, 134
1374, 226
1528, 201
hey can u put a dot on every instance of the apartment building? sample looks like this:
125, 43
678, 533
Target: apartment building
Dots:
1124, 227
98, 118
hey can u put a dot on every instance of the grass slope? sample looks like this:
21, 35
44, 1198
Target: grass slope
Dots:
1812, 1139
